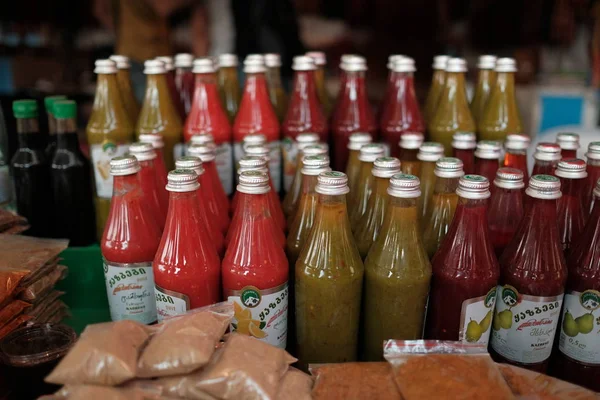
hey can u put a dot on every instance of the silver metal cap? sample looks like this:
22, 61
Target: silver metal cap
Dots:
506, 64
509, 178
411, 140
358, 140
315, 149
228, 60
430, 151
304, 63
319, 57
475, 187
464, 140
204, 65
546, 187
206, 152
404, 186
124, 165
254, 64
260, 150
121, 61
272, 60
252, 163
516, 141
593, 152
142, 151
449, 167
253, 182
456, 65
488, 149
332, 183
190, 162
546, 151
353, 63
385, 167
105, 67
202, 139
182, 180
155, 140
307, 138
168, 61
370, 152
486, 62
440, 62
154, 67
573, 168
257, 138
568, 141
404, 64
314, 165
392, 58
183, 60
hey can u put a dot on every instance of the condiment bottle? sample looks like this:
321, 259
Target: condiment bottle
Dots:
569, 144
369, 225
329, 279
487, 158
463, 148
570, 213
321, 62
501, 113
31, 171
409, 145
159, 115
252, 140
71, 180
145, 155
159, 165
109, 133
125, 88
229, 86
49, 106
170, 77
428, 154
401, 114
255, 270
6, 185
486, 78
184, 80
593, 170
353, 112
303, 115
355, 143
452, 113
546, 156
437, 220
465, 271
129, 243
397, 272
186, 267
516, 146
389, 87
438, 80
207, 117
256, 115
368, 154
578, 358
506, 207
532, 282
276, 92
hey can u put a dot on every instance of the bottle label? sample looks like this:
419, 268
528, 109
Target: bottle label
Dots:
170, 303
275, 164
261, 313
224, 163
101, 155
524, 326
5, 185
580, 327
476, 318
130, 290
290, 155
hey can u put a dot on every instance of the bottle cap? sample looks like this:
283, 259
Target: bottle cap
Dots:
182, 180
571, 168
440, 62
449, 167
202, 139
568, 141
142, 151
254, 64
25, 109
124, 165
593, 152
486, 62
506, 64
257, 138
546, 187
456, 65
154, 67
315, 164
183, 60
252, 163
358, 140
64, 109
474, 187
253, 182
464, 140
597, 189
546, 151
411, 140
206, 152
259, 150
204, 65
430, 151
332, 183
105, 67
319, 57
272, 60
404, 64
168, 60
488, 149
392, 59
515, 141
353, 63
155, 140
370, 152
315, 149
50, 100
405, 186
304, 139
304, 63
121, 61
385, 167
254, 58
228, 60
190, 162
509, 178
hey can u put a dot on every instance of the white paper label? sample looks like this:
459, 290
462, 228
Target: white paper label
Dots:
580, 327
170, 303
275, 164
290, 155
476, 318
524, 326
224, 163
261, 313
130, 290
101, 156
5, 185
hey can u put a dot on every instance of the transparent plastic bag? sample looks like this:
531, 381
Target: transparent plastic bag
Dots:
91, 392
295, 385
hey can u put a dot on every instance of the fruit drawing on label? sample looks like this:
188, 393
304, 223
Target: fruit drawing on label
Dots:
504, 319
245, 324
583, 324
476, 318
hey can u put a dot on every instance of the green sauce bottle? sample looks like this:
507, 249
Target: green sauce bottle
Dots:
437, 86
367, 156
229, 86
428, 154
355, 143
486, 78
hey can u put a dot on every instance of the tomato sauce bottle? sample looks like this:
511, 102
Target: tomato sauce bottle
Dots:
368, 154
321, 62
428, 155
487, 158
486, 78
173, 92
389, 87
355, 143
438, 80
277, 94
578, 358
593, 170
159, 165
546, 156
569, 144
184, 80
49, 106
463, 288
506, 207
410, 142
516, 146
255, 270
532, 282
570, 213
129, 243
125, 88
229, 86
463, 148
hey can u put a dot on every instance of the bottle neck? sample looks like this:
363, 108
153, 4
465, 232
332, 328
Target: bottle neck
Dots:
408, 154
354, 86
66, 134
439, 78
517, 152
505, 82
156, 87
332, 215
126, 184
571, 187
304, 87
446, 185
486, 78
107, 92
469, 213
402, 215
27, 125
273, 75
183, 206
228, 76
380, 187
29, 134
256, 87
124, 80
67, 125
454, 88
309, 184
205, 79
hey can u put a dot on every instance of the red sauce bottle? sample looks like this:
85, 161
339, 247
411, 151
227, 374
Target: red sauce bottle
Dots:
578, 358
487, 158
184, 79
168, 61
546, 156
207, 117
401, 114
506, 207
410, 143
571, 215
465, 271
389, 87
131, 237
186, 267
516, 146
255, 269
532, 282
159, 165
463, 148
593, 170
569, 144
353, 112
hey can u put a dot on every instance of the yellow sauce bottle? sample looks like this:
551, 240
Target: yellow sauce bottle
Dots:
324, 99
409, 148
229, 86
437, 86
486, 77
368, 154
428, 154
356, 141
277, 95
124, 79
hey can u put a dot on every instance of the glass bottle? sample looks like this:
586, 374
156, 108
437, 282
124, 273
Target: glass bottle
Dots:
229, 86
429, 154
329, 279
369, 225
6, 189
593, 170
255, 271
486, 78
487, 158
355, 143
184, 80
516, 146
546, 156
49, 106
124, 81
368, 154
465, 271
277, 94
128, 245
437, 220
409, 145
389, 87
569, 144
321, 63
109, 133
71, 180
159, 165
172, 86
187, 271
397, 272
452, 113
570, 212
463, 148
159, 115
438, 81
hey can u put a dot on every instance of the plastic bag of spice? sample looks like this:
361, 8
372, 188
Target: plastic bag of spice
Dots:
28, 253
295, 385
44, 284
428, 369
105, 354
11, 310
185, 343
91, 392
9, 281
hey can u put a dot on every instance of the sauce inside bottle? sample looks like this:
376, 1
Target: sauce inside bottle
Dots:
321, 62
355, 143
516, 146
428, 155
570, 213
593, 170
409, 148
486, 78
368, 154
463, 148
184, 80
125, 88
546, 156
277, 94
569, 144
438, 80
487, 158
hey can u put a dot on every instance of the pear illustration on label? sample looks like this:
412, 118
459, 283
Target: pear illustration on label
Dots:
569, 325
504, 319
584, 324
474, 331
